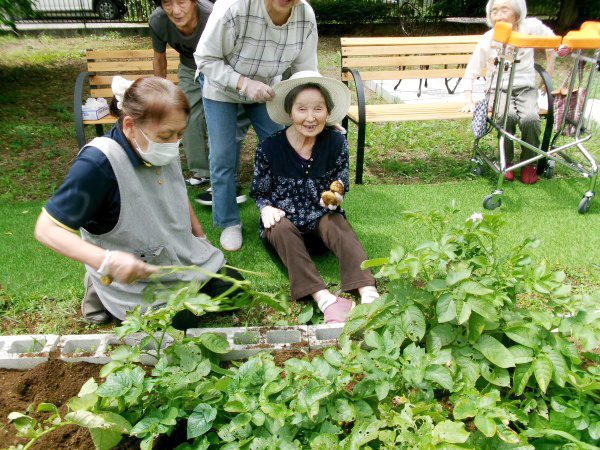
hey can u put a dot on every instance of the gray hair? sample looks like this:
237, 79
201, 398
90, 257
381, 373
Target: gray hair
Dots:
518, 6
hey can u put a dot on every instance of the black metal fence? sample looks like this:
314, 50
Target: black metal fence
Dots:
395, 10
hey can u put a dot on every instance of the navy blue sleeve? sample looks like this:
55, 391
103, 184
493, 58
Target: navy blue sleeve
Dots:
87, 196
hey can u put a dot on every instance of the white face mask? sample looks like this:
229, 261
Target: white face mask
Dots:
158, 153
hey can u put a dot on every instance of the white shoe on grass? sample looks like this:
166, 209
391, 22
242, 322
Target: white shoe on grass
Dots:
231, 238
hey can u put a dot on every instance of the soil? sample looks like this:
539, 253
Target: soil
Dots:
55, 382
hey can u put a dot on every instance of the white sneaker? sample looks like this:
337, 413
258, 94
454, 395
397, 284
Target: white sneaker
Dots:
231, 238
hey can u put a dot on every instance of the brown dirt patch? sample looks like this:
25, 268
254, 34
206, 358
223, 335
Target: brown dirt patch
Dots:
55, 382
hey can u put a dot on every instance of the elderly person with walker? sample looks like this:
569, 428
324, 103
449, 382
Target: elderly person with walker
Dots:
246, 47
300, 177
126, 196
524, 99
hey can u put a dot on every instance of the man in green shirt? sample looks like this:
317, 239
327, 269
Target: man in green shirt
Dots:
180, 24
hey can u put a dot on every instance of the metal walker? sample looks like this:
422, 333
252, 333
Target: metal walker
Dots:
584, 47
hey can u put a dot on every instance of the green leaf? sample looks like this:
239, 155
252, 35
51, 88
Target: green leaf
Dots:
306, 314
115, 421
469, 369
88, 419
463, 312
449, 431
89, 386
215, 343
369, 263
83, 402
374, 340
116, 385
201, 420
121, 353
594, 430
436, 285
484, 307
521, 377
309, 399
475, 288
498, 375
382, 389
559, 366
455, 277
333, 357
363, 432
494, 351
522, 335
507, 435
464, 407
105, 439
325, 441
341, 410
486, 425
521, 354
107, 370
413, 323
445, 308
440, 336
542, 369
476, 327
440, 375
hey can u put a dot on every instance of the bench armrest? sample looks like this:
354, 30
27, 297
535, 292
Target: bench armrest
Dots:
77, 102
362, 122
550, 116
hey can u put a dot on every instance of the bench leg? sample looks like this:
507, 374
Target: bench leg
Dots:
360, 152
99, 130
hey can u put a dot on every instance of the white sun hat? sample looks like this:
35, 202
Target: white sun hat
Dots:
338, 91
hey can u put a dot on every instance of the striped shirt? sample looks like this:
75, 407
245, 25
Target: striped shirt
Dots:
241, 39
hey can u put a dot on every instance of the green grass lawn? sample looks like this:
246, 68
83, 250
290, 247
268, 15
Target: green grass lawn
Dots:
39, 284
410, 165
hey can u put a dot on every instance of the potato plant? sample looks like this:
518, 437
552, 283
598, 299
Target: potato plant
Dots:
445, 359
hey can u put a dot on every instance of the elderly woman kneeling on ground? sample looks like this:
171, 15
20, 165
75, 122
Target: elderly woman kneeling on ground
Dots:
296, 171
523, 107
126, 196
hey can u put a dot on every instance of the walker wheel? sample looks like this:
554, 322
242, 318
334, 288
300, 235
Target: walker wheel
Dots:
488, 202
476, 169
584, 205
549, 170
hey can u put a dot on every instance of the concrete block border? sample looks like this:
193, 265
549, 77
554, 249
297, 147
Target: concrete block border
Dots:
24, 352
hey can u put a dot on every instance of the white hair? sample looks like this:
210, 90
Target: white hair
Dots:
518, 6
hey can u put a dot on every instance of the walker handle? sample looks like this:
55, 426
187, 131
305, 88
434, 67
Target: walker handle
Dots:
521, 40
502, 31
587, 37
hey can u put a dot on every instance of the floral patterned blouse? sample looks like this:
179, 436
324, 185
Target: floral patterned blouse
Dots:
285, 180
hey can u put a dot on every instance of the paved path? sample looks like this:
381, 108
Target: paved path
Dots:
436, 92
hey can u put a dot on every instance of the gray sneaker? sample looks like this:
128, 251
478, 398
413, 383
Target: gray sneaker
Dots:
197, 181
205, 198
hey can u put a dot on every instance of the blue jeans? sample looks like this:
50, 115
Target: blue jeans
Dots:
222, 123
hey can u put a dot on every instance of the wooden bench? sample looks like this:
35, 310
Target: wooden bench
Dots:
401, 58
102, 65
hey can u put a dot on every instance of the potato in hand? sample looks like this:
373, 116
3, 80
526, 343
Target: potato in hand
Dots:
337, 186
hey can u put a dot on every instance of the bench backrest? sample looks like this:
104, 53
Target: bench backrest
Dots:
384, 58
130, 64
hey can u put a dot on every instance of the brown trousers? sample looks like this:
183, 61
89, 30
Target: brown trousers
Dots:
335, 232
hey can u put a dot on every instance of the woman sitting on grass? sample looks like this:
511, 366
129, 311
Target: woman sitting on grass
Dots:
292, 169
126, 196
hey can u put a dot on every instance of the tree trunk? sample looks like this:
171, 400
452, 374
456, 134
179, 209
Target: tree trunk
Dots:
568, 14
